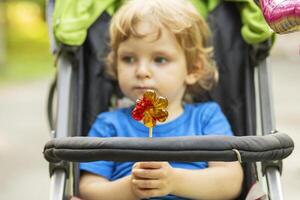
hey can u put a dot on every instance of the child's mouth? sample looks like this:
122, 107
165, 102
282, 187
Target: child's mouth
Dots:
143, 89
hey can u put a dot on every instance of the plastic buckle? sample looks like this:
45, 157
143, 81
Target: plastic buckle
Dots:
272, 163
60, 165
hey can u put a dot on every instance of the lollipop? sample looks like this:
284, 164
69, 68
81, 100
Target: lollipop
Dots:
150, 108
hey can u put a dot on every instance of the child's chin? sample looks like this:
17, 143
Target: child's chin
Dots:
138, 93
135, 96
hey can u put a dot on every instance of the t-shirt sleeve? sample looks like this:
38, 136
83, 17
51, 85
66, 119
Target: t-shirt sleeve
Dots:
215, 122
101, 128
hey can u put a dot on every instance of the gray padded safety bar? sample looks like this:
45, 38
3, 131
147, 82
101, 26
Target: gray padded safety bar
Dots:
204, 148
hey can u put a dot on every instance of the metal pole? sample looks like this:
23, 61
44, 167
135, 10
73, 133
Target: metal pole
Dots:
57, 185
64, 88
268, 126
58, 178
274, 183
266, 103
63, 114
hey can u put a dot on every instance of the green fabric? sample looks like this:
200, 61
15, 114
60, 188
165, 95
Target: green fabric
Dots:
114, 7
203, 6
254, 29
71, 19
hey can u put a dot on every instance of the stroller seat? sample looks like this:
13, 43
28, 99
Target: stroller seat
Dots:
84, 91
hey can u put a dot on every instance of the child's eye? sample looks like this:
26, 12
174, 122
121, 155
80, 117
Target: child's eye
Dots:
128, 59
160, 60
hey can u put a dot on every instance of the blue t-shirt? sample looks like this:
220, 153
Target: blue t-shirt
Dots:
196, 120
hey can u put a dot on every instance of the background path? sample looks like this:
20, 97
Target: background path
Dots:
23, 133
285, 62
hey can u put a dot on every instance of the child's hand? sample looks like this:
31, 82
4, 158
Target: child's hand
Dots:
152, 179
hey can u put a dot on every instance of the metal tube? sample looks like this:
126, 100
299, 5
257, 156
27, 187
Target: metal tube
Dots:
266, 103
268, 127
58, 178
64, 82
57, 185
274, 183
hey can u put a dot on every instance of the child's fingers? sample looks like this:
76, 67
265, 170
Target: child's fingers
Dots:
136, 165
147, 184
150, 165
148, 173
148, 193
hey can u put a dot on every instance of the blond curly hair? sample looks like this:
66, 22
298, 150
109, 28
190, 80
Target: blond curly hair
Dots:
180, 18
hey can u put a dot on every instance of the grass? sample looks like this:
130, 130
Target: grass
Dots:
26, 60
26, 64
28, 54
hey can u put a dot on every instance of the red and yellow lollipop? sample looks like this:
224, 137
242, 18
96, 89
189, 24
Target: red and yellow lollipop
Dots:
150, 108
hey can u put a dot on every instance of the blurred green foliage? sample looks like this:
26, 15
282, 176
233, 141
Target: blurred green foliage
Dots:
28, 54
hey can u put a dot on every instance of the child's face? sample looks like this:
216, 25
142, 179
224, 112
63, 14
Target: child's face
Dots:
146, 63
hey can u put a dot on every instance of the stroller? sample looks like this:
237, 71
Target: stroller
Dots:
83, 91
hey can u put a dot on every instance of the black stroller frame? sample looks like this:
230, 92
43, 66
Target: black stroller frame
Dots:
70, 84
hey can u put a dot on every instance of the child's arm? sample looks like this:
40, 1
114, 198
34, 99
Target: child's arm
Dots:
220, 180
94, 187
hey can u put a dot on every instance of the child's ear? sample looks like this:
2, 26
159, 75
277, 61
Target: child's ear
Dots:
192, 78
194, 74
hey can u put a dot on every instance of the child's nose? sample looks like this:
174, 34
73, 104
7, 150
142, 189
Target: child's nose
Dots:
143, 71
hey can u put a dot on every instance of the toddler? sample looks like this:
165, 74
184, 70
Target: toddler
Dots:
162, 45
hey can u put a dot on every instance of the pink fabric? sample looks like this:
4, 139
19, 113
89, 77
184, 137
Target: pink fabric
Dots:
285, 14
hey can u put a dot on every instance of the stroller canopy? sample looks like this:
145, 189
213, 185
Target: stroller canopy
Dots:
71, 19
